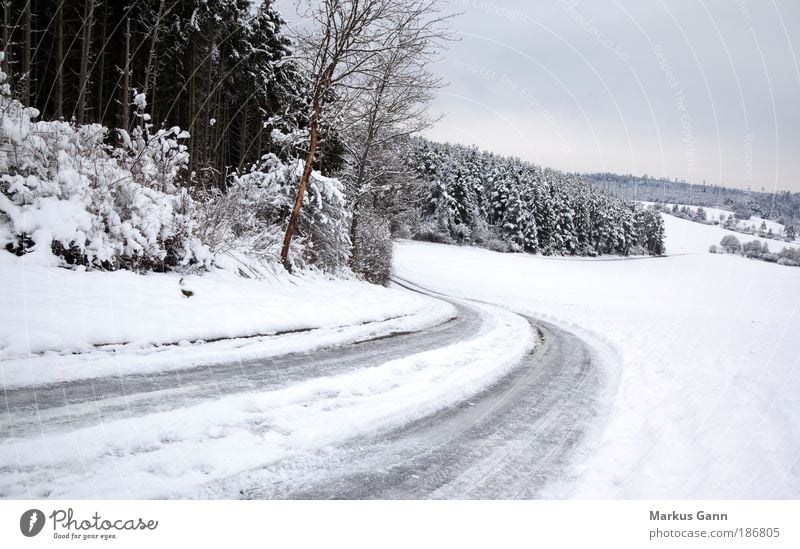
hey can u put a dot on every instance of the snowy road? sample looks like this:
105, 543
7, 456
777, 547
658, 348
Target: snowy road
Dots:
73, 404
508, 441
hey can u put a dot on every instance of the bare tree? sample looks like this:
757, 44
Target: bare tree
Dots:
345, 56
392, 106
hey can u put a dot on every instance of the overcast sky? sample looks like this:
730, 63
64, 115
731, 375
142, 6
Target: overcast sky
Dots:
693, 89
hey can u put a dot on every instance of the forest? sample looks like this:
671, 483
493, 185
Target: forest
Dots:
152, 135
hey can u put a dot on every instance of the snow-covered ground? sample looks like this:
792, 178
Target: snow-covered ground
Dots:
59, 324
684, 237
702, 350
754, 221
707, 355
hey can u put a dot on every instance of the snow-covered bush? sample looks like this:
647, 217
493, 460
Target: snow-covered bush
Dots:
373, 248
730, 244
154, 159
68, 198
253, 212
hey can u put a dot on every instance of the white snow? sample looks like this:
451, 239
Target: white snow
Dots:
702, 351
706, 354
754, 222
685, 236
48, 311
167, 453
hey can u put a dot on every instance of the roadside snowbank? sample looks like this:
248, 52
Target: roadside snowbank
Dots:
48, 311
169, 453
706, 405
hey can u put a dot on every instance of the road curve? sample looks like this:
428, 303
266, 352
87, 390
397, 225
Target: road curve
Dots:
508, 442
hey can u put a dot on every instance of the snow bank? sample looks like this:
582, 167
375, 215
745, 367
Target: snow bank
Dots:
165, 454
708, 377
50, 310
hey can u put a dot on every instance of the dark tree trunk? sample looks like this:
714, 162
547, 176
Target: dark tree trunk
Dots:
83, 79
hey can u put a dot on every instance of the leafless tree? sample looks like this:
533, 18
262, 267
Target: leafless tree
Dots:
391, 107
358, 54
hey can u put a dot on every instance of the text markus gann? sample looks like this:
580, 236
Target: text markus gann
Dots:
699, 515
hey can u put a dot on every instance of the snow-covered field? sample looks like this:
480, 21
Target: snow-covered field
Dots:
716, 214
707, 355
684, 237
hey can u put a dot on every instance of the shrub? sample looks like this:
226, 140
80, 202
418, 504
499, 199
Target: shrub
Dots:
372, 249
730, 244
69, 199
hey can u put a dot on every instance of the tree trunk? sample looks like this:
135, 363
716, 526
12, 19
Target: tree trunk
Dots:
6, 36
101, 66
149, 73
243, 136
26, 55
126, 79
83, 79
60, 61
301, 190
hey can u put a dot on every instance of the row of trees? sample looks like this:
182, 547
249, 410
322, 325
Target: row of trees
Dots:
755, 249
780, 206
477, 197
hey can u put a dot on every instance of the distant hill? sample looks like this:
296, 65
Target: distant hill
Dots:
783, 206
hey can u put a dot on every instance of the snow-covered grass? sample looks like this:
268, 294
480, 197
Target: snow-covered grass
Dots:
708, 358
164, 454
715, 214
685, 236
50, 311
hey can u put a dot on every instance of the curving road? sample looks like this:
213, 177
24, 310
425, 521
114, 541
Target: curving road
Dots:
509, 441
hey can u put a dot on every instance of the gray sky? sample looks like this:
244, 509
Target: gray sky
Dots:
694, 89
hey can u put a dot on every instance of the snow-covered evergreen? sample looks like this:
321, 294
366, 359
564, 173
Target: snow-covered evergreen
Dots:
475, 197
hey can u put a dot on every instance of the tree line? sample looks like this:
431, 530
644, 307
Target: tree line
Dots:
505, 203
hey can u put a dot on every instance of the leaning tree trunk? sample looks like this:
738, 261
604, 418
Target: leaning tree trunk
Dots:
301, 189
